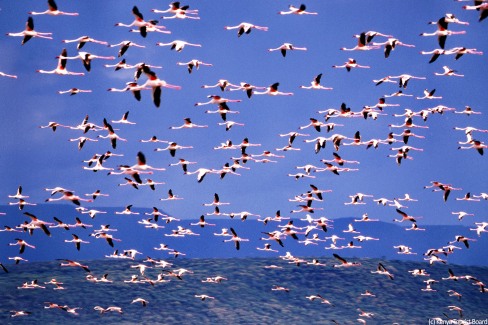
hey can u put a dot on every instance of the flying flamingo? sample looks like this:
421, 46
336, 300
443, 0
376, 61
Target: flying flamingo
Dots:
86, 58
236, 239
74, 264
429, 94
74, 91
61, 67
202, 172
124, 46
179, 12
53, 10
222, 84
22, 243
131, 86
111, 134
82, 40
480, 6
362, 45
141, 23
404, 79
29, 32
174, 7
178, 45
351, 63
435, 54
245, 28
188, 125
247, 87
468, 111
344, 262
442, 34
301, 10
391, 44
315, 84
460, 51
124, 119
3, 74
448, 72
476, 144
154, 83
273, 91
69, 196
287, 47
194, 63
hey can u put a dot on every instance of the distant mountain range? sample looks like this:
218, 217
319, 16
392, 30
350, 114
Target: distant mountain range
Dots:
207, 245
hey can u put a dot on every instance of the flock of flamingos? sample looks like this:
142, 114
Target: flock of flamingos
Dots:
310, 228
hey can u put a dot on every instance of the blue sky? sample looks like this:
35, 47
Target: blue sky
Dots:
38, 158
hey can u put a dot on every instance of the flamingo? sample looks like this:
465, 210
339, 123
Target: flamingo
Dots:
77, 241
315, 84
362, 44
216, 99
301, 10
178, 45
202, 223
230, 124
29, 32
448, 72
124, 46
3, 74
69, 196
178, 11
140, 300
216, 201
248, 88
74, 264
382, 270
390, 44
429, 94
222, 84
480, 6
442, 35
61, 67
236, 239
176, 6
370, 35
344, 262
287, 47
405, 78
141, 23
188, 125
273, 91
130, 86
476, 144
86, 58
350, 64
154, 83
22, 244
245, 28
202, 172
111, 134
172, 147
194, 64
468, 111
460, 51
82, 40
18, 194
435, 54
171, 196
74, 91
53, 10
